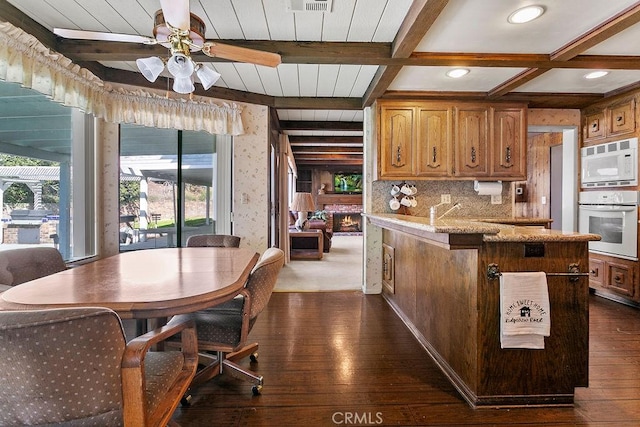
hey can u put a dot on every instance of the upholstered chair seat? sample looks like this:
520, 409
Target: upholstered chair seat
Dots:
74, 367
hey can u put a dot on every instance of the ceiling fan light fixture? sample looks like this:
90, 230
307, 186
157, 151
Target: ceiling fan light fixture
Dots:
595, 74
150, 67
180, 66
456, 73
207, 76
183, 85
526, 14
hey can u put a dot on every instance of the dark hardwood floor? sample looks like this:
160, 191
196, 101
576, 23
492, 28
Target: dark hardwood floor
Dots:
344, 358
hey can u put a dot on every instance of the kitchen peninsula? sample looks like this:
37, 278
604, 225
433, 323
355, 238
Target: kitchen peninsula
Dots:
442, 279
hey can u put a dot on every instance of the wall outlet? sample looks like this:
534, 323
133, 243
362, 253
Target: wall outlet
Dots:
496, 199
543, 200
445, 198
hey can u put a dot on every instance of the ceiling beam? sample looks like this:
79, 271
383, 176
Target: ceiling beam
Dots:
344, 53
534, 99
327, 156
291, 52
300, 140
517, 60
319, 125
314, 149
325, 162
607, 29
419, 19
515, 82
309, 103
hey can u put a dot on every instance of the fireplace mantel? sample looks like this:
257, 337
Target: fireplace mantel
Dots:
339, 199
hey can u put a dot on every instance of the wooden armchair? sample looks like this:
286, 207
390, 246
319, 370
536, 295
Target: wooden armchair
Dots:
73, 366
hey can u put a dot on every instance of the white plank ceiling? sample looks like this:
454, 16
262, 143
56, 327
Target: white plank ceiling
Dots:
467, 30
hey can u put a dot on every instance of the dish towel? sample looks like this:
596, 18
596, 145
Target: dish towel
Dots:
524, 310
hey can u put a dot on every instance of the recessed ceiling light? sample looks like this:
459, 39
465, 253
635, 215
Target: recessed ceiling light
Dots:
596, 74
457, 73
526, 14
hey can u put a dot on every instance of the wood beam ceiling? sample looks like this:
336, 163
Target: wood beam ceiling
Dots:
607, 29
419, 19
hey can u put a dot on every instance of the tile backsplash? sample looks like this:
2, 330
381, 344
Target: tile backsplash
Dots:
429, 194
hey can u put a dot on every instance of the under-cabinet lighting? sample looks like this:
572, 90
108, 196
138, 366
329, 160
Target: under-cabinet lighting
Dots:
526, 14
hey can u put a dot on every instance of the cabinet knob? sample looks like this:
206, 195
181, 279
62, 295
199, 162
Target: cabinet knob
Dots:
473, 154
434, 155
617, 279
399, 154
594, 272
507, 155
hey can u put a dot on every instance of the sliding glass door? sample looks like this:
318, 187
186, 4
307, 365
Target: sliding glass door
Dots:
169, 186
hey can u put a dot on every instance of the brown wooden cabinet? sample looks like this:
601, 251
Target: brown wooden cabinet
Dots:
397, 141
621, 118
596, 272
608, 121
621, 277
509, 142
614, 276
452, 307
447, 140
471, 143
433, 141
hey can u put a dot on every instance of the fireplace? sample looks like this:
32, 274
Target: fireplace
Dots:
347, 222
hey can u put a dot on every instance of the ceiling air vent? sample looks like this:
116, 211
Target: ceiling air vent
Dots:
309, 5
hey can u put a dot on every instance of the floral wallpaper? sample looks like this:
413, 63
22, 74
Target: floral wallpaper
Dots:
251, 179
108, 217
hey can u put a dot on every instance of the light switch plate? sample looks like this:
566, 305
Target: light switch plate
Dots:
445, 198
496, 199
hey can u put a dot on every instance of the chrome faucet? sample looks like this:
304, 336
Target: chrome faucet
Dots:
454, 207
432, 211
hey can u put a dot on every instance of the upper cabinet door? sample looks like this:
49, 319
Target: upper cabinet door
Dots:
621, 118
508, 148
433, 141
396, 141
471, 141
594, 127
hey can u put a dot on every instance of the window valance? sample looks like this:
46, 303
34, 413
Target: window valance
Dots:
24, 60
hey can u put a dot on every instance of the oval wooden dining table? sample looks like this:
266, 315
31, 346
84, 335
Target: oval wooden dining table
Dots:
143, 284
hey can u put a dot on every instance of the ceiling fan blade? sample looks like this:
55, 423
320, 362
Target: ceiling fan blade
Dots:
241, 54
95, 35
176, 13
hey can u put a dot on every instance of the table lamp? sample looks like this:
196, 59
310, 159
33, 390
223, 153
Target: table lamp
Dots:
302, 203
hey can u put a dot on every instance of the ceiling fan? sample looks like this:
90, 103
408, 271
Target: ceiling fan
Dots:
182, 33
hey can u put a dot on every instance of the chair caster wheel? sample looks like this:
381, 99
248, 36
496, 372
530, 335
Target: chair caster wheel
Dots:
254, 357
256, 390
185, 401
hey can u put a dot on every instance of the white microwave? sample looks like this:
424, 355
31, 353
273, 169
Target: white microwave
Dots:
612, 164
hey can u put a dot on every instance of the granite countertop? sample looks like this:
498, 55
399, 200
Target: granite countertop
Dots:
492, 231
